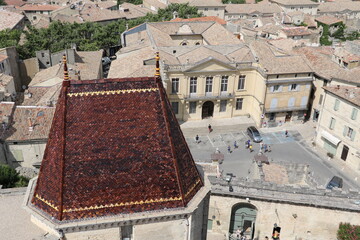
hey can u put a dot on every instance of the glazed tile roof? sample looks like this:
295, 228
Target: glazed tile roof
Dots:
114, 147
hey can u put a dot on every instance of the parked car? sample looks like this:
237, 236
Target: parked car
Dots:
335, 182
254, 134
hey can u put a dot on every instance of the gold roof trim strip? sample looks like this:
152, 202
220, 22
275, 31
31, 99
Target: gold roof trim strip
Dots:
112, 92
123, 204
192, 188
47, 202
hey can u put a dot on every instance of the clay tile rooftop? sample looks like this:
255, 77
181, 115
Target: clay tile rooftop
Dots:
115, 147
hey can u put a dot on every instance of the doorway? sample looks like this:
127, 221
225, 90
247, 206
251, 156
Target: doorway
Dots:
243, 216
344, 152
207, 109
288, 116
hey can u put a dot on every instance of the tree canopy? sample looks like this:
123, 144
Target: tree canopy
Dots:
87, 36
347, 231
234, 1
2, 2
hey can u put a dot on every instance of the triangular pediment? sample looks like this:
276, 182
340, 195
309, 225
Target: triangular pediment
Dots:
210, 65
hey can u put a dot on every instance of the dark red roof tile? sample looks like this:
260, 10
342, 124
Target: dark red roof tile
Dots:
115, 147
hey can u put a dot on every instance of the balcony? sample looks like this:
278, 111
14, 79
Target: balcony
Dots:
208, 96
286, 109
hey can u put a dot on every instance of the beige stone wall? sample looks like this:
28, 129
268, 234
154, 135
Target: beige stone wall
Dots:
212, 11
28, 69
252, 94
101, 234
310, 223
190, 40
312, 10
25, 155
176, 230
342, 118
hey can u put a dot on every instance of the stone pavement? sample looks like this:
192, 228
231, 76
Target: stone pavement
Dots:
225, 131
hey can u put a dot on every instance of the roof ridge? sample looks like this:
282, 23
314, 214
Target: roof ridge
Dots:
167, 124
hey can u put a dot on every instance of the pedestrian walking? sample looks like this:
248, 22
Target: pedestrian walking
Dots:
265, 148
229, 149
235, 145
197, 138
286, 133
250, 148
217, 150
269, 148
210, 129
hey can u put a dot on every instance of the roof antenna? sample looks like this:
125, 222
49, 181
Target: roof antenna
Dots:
157, 69
66, 73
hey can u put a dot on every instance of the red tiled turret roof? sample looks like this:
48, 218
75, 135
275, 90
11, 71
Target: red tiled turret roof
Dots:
114, 147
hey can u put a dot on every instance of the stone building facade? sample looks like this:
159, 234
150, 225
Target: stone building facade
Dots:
338, 130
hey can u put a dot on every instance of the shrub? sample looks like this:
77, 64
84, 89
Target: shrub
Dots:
8, 176
347, 231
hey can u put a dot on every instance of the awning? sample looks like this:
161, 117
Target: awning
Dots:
334, 140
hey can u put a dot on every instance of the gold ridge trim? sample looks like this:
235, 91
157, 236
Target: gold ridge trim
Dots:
47, 202
192, 188
123, 204
112, 92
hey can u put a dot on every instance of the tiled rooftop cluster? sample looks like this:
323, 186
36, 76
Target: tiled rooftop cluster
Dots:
114, 147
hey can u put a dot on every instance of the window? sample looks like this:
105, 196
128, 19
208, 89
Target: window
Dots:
336, 105
175, 107
325, 83
206, 9
216, 9
224, 82
223, 105
42, 54
354, 114
197, 43
239, 103
275, 88
349, 132
272, 116
174, 85
320, 99
332, 123
34, 17
277, 76
193, 84
293, 87
295, 75
241, 84
183, 44
192, 107
209, 82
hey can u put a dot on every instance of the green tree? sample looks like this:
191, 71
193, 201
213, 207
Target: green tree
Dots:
9, 38
347, 231
136, 2
2, 2
234, 1
8, 176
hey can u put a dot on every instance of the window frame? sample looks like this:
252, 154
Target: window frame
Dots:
175, 83
193, 85
239, 103
241, 82
224, 83
192, 107
223, 104
332, 123
177, 107
336, 104
209, 84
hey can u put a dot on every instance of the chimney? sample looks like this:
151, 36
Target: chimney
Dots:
31, 127
338, 87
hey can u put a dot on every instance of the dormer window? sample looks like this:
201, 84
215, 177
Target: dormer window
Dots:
184, 43
197, 43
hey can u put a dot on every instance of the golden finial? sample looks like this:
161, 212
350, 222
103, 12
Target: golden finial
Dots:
157, 69
66, 73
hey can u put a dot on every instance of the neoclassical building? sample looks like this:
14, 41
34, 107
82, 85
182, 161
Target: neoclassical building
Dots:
209, 72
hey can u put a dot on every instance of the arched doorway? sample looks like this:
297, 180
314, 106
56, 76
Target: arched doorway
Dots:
243, 216
207, 109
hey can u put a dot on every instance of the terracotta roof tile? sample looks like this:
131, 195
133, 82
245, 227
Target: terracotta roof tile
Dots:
9, 19
296, 31
351, 94
39, 7
109, 136
18, 129
328, 20
201, 19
